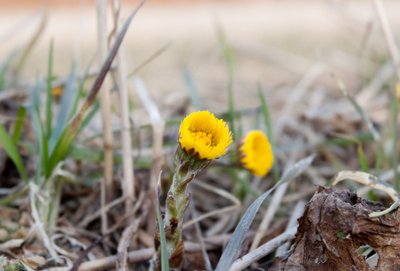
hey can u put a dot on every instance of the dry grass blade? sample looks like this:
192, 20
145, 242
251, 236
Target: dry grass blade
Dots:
89, 218
124, 244
360, 111
200, 238
372, 182
158, 125
388, 33
109, 262
105, 109
149, 59
73, 127
368, 93
220, 192
263, 250
39, 226
392, 207
104, 69
234, 245
35, 37
298, 210
366, 179
126, 140
314, 72
269, 215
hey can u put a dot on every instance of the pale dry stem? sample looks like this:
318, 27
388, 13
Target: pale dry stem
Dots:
127, 161
105, 107
33, 192
158, 125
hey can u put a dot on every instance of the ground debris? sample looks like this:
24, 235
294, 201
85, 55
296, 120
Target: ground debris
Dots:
333, 228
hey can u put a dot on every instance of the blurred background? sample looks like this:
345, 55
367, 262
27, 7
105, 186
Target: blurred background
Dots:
275, 44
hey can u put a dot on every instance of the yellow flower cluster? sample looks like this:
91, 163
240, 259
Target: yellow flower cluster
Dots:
205, 137
202, 134
256, 153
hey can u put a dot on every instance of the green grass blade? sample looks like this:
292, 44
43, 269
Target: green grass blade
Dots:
42, 142
347, 141
243, 180
67, 100
34, 97
235, 243
86, 154
362, 158
11, 150
229, 59
191, 87
239, 125
49, 98
149, 59
268, 126
80, 93
266, 114
18, 124
379, 158
11, 198
34, 112
163, 241
90, 115
2, 78
375, 134
394, 118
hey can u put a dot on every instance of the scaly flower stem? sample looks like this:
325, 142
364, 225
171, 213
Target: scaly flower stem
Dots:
202, 138
177, 201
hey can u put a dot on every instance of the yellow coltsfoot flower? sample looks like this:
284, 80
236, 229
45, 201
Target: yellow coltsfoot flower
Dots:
205, 136
256, 153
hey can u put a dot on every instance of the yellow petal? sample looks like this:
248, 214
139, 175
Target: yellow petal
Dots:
202, 134
256, 153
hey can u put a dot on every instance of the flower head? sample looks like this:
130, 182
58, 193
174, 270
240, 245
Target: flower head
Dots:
256, 153
202, 134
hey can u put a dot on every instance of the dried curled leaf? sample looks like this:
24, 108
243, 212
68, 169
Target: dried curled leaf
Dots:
333, 228
373, 182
